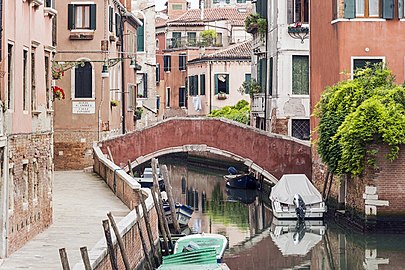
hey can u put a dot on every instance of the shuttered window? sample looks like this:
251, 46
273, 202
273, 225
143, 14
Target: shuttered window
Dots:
117, 24
182, 62
140, 33
300, 75
202, 84
297, 11
110, 19
262, 73
261, 8
167, 61
193, 85
83, 81
81, 16
182, 97
221, 83
157, 73
371, 9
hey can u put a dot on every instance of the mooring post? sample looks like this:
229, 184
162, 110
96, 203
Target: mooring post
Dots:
170, 198
85, 258
120, 242
110, 246
64, 259
144, 246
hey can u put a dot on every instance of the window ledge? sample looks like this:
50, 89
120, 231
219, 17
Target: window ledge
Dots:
358, 20
82, 35
35, 112
37, 3
50, 111
49, 11
402, 20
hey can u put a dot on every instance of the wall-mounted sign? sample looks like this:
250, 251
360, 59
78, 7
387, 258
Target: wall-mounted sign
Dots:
84, 107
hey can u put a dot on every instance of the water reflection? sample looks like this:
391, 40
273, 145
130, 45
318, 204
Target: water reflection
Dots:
257, 241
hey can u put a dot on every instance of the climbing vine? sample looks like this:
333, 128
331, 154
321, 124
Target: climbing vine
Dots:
355, 114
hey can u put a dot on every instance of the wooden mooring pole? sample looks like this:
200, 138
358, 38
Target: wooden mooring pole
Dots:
162, 228
85, 258
170, 198
148, 229
107, 233
120, 242
156, 190
64, 259
144, 246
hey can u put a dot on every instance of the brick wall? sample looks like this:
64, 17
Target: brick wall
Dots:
73, 150
30, 205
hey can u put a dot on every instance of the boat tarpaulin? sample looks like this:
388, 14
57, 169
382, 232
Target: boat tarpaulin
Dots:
291, 184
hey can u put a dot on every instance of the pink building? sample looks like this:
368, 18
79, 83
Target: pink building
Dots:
26, 133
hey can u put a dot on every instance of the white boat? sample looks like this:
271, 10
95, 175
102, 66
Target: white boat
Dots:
146, 180
296, 238
290, 185
183, 213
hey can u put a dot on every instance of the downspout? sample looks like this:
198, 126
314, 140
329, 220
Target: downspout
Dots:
210, 72
122, 72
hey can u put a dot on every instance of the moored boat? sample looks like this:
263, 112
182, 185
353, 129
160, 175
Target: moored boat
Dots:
183, 213
202, 241
244, 181
146, 180
294, 196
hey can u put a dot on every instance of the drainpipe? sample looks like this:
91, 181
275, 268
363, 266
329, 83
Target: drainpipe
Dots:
122, 72
210, 72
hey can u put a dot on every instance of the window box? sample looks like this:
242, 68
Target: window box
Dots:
255, 23
298, 29
222, 96
253, 28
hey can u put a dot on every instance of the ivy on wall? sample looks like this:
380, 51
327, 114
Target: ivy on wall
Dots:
355, 114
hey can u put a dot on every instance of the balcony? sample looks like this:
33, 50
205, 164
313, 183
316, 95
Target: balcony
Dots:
49, 9
258, 104
183, 42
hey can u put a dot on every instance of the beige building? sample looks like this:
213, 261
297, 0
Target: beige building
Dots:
26, 156
96, 51
215, 80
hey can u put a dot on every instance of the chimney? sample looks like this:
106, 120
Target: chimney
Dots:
202, 10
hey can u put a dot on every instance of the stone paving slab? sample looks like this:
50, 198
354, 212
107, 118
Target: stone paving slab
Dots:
80, 202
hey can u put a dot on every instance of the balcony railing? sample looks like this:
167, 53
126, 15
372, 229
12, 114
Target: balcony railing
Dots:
258, 104
191, 42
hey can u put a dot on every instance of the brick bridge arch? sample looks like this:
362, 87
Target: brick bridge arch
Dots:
272, 155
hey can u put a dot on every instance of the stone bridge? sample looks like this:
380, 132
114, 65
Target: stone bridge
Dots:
270, 155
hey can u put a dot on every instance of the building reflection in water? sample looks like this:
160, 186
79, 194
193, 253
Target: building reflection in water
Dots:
257, 241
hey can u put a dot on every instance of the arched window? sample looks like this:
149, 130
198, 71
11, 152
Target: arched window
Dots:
83, 81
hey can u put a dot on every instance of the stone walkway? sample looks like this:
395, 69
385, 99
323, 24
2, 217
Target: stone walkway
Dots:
81, 201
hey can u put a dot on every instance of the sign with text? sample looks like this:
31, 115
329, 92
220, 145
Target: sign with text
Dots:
84, 107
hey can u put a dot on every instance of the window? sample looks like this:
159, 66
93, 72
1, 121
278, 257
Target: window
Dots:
33, 82
262, 73
218, 39
157, 44
10, 77
191, 38
182, 97
110, 19
300, 129
240, 1
298, 11
157, 73
193, 85
360, 63
131, 97
176, 39
202, 84
167, 61
140, 33
261, 7
167, 97
221, 83
142, 85
371, 9
117, 24
25, 179
182, 62
300, 75
25, 80
47, 84
11, 187
84, 81
50, 3
248, 78
35, 185
81, 16
177, 7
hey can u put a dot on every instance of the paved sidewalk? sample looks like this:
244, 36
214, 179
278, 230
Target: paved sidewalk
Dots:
80, 202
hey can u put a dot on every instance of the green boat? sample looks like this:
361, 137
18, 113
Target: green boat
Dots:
202, 241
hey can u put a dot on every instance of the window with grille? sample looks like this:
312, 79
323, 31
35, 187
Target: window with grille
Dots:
300, 129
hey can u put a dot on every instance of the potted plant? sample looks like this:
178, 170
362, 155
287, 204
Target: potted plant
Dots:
58, 93
255, 23
250, 87
138, 113
57, 73
208, 37
221, 95
114, 103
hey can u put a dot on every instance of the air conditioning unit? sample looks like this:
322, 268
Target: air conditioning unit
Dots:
139, 103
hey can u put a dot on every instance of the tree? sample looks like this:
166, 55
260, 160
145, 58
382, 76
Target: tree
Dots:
239, 113
356, 114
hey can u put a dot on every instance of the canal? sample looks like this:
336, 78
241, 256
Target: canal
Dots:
259, 241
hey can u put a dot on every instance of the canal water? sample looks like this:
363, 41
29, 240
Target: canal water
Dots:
259, 241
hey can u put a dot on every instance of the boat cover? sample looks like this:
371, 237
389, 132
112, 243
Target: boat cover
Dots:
291, 184
288, 245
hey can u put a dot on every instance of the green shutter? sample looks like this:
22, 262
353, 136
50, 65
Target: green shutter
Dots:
400, 9
202, 84
227, 84
271, 77
248, 78
93, 15
196, 84
140, 35
117, 24
216, 83
300, 75
157, 73
186, 84
388, 9
71, 21
110, 18
350, 9
145, 85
